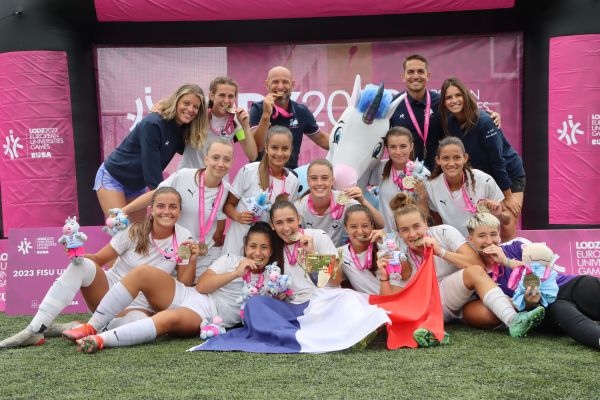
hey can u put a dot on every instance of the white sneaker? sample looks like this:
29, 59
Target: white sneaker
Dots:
23, 338
56, 329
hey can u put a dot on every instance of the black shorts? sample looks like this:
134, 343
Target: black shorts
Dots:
517, 184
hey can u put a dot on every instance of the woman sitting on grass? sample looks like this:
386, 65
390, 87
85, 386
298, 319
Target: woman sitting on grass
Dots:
181, 309
154, 242
574, 312
458, 268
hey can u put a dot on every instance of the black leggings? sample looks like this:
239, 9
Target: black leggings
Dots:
576, 310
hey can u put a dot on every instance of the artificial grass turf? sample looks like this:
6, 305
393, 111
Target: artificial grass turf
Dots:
476, 365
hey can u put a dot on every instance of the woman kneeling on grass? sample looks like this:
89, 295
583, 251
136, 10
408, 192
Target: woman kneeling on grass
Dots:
458, 268
181, 309
153, 242
574, 312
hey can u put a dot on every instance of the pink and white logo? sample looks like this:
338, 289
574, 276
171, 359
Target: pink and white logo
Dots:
569, 131
12, 145
139, 108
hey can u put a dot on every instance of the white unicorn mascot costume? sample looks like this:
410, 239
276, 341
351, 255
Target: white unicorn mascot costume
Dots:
356, 141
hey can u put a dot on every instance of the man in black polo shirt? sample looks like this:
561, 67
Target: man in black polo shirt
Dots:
419, 112
278, 109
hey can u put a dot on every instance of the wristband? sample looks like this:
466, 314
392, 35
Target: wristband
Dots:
443, 253
384, 280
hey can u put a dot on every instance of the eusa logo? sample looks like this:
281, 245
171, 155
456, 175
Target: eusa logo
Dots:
569, 131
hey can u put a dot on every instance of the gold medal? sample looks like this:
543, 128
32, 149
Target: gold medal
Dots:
342, 198
231, 110
202, 249
531, 280
184, 252
294, 237
363, 238
408, 182
482, 207
419, 242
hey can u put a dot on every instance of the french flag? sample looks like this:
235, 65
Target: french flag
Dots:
336, 319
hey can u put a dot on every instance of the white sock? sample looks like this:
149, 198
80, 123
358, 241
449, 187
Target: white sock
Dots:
500, 305
142, 331
131, 316
112, 303
62, 292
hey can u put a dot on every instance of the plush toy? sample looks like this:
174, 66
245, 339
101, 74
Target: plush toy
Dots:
117, 221
248, 290
257, 205
389, 249
536, 271
73, 240
278, 283
211, 327
418, 170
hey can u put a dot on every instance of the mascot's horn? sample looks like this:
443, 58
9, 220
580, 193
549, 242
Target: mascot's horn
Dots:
369, 115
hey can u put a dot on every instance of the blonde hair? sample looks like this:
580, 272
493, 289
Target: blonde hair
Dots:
140, 231
195, 132
263, 167
482, 219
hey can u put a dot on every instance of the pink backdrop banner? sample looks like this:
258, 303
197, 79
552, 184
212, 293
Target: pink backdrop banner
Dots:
130, 80
207, 10
574, 130
3, 272
37, 162
579, 249
36, 259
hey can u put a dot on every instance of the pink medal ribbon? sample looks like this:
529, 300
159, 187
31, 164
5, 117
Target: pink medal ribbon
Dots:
417, 261
278, 110
468, 204
293, 257
202, 227
283, 175
356, 261
248, 278
164, 253
398, 180
517, 273
226, 129
336, 210
496, 270
422, 134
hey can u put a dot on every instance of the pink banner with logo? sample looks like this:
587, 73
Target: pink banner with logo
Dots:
574, 130
131, 79
37, 162
36, 260
207, 10
3, 272
579, 249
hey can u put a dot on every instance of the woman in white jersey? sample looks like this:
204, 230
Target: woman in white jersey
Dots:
225, 121
203, 193
325, 208
154, 241
390, 174
286, 223
182, 309
456, 191
268, 175
459, 269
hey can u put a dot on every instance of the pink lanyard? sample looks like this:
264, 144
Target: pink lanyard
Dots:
398, 181
277, 110
496, 270
414, 120
335, 209
293, 257
368, 258
259, 283
417, 261
226, 129
204, 228
271, 183
164, 253
468, 204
